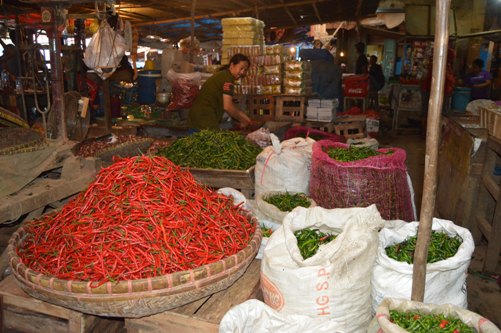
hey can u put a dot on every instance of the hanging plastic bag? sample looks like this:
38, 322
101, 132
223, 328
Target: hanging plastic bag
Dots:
105, 51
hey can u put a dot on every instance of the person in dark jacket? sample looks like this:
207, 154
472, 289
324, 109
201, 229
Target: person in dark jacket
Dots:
325, 72
362, 63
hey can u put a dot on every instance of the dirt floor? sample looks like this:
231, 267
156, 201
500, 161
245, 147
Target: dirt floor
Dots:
484, 290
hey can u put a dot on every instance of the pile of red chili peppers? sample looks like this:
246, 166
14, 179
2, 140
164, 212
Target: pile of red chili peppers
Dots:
142, 217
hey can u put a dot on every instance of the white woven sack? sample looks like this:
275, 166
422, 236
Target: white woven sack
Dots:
272, 211
333, 284
254, 316
381, 323
445, 280
284, 166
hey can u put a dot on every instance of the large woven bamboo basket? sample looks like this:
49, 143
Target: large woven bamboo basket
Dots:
133, 298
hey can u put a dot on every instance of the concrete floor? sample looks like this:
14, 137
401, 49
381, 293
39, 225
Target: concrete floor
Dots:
484, 290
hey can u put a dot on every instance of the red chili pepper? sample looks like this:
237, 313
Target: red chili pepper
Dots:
443, 323
141, 217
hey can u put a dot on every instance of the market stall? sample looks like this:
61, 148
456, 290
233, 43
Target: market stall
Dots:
298, 220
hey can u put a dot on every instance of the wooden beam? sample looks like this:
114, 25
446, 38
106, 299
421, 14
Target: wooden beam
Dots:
317, 13
287, 10
432, 142
232, 12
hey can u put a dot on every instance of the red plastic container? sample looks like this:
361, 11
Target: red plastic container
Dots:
356, 85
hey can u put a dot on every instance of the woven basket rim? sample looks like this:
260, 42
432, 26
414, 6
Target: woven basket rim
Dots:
211, 272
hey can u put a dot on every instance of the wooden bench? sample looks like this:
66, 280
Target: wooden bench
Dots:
204, 315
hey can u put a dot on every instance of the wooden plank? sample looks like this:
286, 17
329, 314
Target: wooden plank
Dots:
44, 191
243, 289
205, 314
239, 179
491, 186
22, 313
13, 295
19, 320
484, 227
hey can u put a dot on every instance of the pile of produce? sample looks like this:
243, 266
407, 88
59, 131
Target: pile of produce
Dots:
142, 217
113, 144
415, 322
309, 241
288, 201
351, 153
344, 176
209, 149
441, 247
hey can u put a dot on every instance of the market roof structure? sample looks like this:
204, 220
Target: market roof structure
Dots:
172, 19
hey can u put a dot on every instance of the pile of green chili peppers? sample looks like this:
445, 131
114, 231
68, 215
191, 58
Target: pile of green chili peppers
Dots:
309, 241
287, 201
213, 149
415, 322
441, 247
353, 153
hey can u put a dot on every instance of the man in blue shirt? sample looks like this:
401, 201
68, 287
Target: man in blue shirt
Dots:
479, 81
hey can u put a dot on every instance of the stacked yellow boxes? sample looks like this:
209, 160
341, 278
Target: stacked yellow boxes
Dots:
297, 79
241, 31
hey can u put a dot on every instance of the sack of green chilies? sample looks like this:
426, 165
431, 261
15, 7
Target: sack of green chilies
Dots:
393, 314
334, 283
445, 279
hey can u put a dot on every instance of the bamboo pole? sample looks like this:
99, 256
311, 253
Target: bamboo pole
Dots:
192, 28
432, 141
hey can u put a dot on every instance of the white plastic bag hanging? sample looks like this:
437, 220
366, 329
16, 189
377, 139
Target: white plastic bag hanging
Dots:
105, 51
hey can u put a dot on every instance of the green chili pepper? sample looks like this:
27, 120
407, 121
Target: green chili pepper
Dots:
441, 247
309, 241
266, 231
353, 153
416, 322
212, 149
287, 201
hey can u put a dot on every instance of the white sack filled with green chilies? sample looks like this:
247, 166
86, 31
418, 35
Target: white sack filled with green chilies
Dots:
334, 283
445, 279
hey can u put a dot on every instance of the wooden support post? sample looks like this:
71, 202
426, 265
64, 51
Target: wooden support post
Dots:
107, 105
432, 141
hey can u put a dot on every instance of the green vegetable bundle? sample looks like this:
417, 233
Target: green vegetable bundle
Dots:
351, 153
210, 149
309, 241
288, 201
441, 247
415, 322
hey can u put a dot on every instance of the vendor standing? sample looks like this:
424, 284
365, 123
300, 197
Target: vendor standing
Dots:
216, 97
479, 81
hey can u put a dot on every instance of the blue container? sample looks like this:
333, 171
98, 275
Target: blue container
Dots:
460, 98
147, 87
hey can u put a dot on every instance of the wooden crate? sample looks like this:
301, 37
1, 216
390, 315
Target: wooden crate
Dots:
320, 125
242, 180
290, 107
23, 313
351, 127
204, 315
491, 119
261, 107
